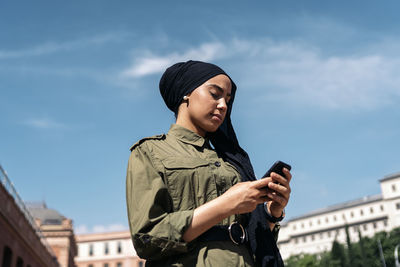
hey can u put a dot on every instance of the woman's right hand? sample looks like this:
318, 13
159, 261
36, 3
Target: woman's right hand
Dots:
244, 197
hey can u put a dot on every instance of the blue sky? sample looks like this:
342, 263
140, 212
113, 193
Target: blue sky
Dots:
318, 87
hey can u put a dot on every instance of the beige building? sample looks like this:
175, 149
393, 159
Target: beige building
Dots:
314, 232
113, 249
58, 232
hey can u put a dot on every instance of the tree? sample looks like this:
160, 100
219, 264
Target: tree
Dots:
362, 248
350, 253
303, 260
338, 257
365, 252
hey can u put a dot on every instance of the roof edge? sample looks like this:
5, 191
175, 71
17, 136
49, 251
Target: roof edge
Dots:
390, 177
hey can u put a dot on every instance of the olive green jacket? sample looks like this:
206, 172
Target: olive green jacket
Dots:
169, 176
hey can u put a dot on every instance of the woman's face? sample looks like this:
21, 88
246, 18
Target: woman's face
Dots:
206, 107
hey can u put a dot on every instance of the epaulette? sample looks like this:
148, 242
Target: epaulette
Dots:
154, 137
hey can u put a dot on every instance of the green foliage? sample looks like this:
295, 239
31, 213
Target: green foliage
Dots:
365, 252
338, 257
303, 260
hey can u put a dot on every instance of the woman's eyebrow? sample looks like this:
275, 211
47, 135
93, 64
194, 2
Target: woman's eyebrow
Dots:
219, 88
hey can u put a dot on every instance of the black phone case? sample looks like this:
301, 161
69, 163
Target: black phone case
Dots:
277, 167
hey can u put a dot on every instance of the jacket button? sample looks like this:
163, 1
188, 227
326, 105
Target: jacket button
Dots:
217, 163
146, 239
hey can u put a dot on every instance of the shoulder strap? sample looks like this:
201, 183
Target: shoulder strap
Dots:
154, 137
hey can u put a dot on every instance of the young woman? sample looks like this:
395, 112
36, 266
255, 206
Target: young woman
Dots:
192, 196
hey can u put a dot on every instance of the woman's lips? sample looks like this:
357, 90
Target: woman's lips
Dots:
217, 116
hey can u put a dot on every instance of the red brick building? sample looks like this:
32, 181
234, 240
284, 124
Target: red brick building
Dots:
21, 242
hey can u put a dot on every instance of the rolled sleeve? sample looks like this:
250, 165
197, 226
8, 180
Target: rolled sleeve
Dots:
156, 229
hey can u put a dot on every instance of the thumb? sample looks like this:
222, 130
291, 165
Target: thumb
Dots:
263, 182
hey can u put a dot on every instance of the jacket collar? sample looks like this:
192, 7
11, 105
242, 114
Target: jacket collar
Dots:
187, 136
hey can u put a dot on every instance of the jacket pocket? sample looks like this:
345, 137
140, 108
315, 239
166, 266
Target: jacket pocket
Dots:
181, 177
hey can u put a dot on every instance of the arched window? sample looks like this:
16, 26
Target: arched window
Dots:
7, 257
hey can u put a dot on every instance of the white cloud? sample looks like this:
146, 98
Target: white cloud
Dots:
53, 47
84, 229
302, 75
44, 123
81, 229
150, 63
295, 73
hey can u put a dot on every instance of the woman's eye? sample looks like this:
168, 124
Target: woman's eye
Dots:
214, 95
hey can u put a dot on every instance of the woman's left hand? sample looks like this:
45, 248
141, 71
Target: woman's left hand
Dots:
279, 193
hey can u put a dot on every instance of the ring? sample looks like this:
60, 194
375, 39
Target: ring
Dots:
242, 238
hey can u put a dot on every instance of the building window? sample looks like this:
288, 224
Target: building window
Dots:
398, 206
310, 223
296, 241
20, 262
361, 212
351, 214
371, 210
304, 239
394, 188
344, 216
321, 236
294, 227
119, 248
382, 208
327, 219
119, 264
334, 218
106, 250
105, 265
329, 233
319, 221
365, 227
374, 225
91, 250
302, 225
312, 237
7, 257
385, 223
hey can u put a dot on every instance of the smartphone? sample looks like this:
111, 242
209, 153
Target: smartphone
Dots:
277, 167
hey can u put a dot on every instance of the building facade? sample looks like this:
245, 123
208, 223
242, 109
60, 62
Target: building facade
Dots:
314, 232
21, 241
58, 232
113, 249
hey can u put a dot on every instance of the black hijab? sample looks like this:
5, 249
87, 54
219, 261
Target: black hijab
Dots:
181, 79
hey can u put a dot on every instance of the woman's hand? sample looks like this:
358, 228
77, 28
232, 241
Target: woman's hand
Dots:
279, 192
241, 198
245, 196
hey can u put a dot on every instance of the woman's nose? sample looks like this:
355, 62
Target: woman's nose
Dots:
222, 104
